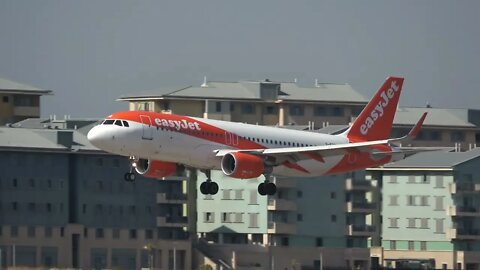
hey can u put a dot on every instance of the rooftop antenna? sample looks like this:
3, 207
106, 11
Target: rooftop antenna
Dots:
204, 84
316, 83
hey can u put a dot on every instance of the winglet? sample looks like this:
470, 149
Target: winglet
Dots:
413, 132
416, 129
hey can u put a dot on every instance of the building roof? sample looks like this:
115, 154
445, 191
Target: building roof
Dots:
434, 160
45, 134
20, 88
249, 90
435, 117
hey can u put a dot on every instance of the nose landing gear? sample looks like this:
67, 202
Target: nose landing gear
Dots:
131, 176
208, 187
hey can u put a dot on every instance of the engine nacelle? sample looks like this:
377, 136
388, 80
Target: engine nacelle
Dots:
155, 168
241, 165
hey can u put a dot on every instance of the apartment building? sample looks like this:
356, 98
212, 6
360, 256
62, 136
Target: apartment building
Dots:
430, 211
64, 204
314, 107
19, 101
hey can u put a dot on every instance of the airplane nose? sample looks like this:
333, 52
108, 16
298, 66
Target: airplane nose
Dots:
97, 137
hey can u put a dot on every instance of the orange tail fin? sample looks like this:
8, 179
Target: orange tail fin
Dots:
375, 121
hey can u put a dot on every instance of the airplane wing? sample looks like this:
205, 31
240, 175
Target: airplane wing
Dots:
318, 152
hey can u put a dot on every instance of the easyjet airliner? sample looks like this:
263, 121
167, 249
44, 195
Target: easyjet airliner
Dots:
157, 142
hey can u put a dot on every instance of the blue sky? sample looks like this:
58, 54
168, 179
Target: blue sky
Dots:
91, 52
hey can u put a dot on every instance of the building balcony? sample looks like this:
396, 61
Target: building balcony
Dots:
281, 205
462, 234
281, 228
461, 188
360, 207
163, 198
462, 211
358, 185
285, 182
360, 230
26, 111
178, 222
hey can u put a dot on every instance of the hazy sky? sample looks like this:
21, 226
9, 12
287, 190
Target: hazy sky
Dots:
91, 52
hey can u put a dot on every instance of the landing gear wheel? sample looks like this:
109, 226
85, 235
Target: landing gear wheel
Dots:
270, 188
213, 188
204, 188
261, 189
130, 177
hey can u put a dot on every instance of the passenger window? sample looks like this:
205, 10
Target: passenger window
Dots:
108, 122
125, 124
118, 123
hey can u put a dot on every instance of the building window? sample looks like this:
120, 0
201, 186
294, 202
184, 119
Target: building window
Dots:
31, 231
269, 110
31, 182
439, 203
319, 111
13, 231
435, 135
424, 200
299, 217
423, 245
319, 242
132, 234
299, 194
457, 136
439, 225
337, 111
424, 223
411, 179
296, 110
411, 222
248, 108
226, 194
218, 106
253, 197
225, 217
23, 101
410, 200
439, 181
209, 217
285, 241
116, 162
84, 209
333, 218
393, 200
238, 217
411, 245
49, 207
14, 182
393, 245
5, 99
239, 194
49, 183
393, 179
333, 195
253, 220
393, 222
85, 232
99, 233
31, 207
48, 232
14, 206
148, 234
115, 233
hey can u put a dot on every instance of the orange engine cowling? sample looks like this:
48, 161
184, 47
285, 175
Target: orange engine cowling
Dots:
155, 168
240, 165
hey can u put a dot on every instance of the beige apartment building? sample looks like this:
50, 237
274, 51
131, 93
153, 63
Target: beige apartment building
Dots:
19, 101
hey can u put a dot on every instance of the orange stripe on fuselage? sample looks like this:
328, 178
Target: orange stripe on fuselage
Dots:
188, 126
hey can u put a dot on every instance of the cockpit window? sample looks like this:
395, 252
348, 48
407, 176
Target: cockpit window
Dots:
125, 123
118, 123
108, 122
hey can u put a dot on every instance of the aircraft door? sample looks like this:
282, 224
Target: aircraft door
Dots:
147, 129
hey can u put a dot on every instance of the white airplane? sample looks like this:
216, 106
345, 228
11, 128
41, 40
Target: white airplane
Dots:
157, 142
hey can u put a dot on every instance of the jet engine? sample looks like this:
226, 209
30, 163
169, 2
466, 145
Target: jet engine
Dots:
241, 165
155, 168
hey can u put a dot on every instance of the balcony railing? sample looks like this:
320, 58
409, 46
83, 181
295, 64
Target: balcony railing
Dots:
172, 222
165, 198
463, 234
360, 207
358, 185
277, 227
463, 211
281, 205
360, 230
460, 188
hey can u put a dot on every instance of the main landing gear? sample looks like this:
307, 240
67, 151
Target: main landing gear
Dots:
208, 187
267, 187
131, 176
